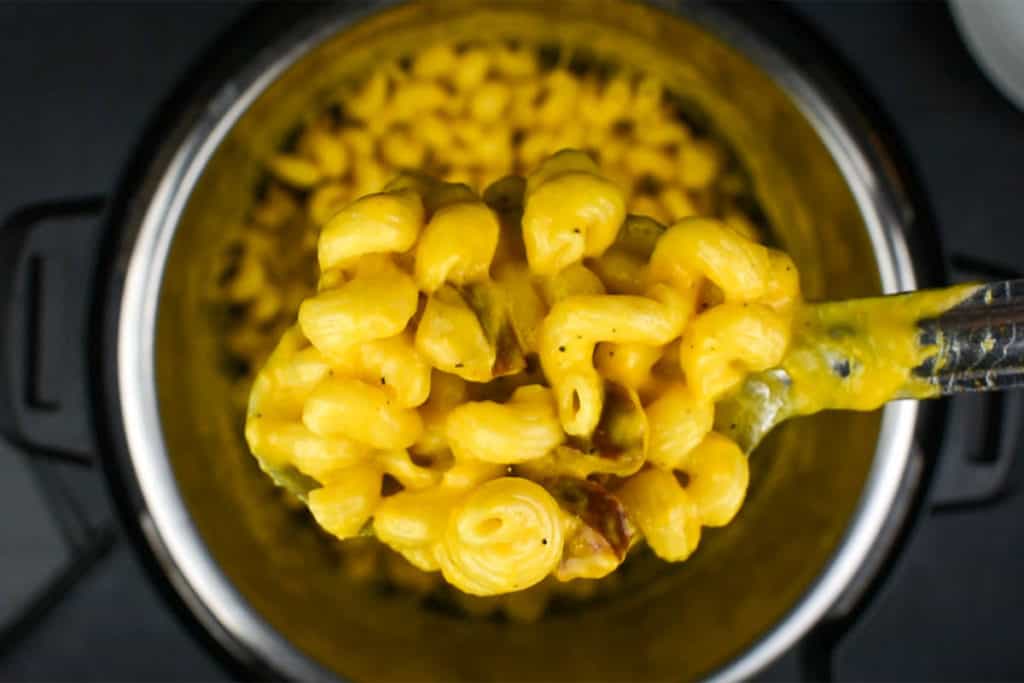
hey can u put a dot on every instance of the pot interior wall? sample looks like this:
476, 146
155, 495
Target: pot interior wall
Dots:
663, 621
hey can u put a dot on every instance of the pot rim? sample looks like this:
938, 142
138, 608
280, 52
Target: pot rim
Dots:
157, 506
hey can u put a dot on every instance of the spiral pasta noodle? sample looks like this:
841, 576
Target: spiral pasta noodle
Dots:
505, 536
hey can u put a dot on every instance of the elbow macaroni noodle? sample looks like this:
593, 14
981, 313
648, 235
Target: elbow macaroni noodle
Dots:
512, 387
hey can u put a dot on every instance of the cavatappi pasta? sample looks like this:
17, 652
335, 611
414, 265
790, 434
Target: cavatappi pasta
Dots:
506, 415
502, 110
470, 114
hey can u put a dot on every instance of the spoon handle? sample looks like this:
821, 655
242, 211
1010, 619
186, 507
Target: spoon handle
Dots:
979, 342
861, 353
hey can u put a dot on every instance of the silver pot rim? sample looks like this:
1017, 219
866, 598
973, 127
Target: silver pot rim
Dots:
163, 516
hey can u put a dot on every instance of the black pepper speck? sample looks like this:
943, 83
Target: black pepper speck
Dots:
842, 368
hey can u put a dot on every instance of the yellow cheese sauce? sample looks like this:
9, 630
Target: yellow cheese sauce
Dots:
859, 354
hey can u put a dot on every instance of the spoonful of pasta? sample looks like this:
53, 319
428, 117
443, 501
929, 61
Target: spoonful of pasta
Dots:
528, 383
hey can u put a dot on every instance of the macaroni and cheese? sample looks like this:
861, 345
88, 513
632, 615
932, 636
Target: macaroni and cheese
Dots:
470, 113
502, 423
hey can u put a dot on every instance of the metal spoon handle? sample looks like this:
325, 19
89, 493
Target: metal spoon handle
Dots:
858, 354
980, 341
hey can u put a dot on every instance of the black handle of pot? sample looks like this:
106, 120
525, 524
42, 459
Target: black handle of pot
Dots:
975, 464
47, 253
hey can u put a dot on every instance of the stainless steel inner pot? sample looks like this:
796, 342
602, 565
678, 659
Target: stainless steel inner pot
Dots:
260, 580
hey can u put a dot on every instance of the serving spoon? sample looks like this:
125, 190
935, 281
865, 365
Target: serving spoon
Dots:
862, 353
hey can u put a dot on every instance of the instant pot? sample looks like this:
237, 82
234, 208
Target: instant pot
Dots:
827, 492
